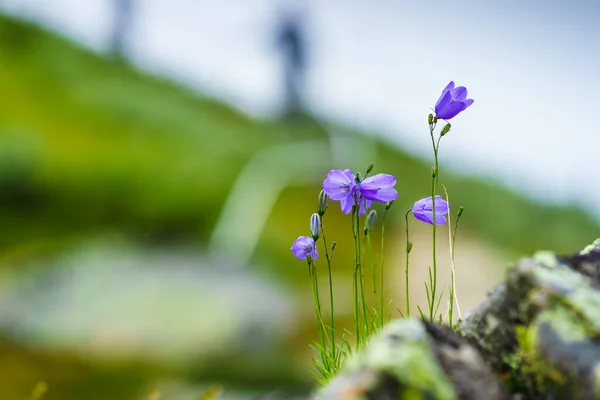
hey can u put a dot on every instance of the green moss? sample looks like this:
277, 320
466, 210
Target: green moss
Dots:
564, 322
589, 248
402, 351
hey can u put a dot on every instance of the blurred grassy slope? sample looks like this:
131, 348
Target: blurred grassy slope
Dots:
87, 146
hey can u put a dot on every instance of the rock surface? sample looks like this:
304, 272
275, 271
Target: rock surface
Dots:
536, 336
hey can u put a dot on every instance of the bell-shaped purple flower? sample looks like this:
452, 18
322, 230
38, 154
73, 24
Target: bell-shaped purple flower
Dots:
423, 210
343, 185
304, 247
452, 102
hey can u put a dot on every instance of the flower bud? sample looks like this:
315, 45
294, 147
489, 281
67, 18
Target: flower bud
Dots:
371, 219
446, 129
315, 226
389, 204
333, 246
460, 211
369, 169
430, 119
322, 203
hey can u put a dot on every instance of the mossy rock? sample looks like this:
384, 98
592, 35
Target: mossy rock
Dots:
540, 329
415, 360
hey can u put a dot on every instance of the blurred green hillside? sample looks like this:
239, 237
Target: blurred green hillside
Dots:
90, 147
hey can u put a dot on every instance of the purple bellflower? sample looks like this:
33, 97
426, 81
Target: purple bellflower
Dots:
343, 185
452, 102
303, 247
423, 210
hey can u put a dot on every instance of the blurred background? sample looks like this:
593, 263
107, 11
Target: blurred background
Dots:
159, 157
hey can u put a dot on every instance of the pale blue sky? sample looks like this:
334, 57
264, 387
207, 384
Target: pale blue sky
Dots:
531, 66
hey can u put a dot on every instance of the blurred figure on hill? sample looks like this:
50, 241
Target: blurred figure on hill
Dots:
123, 16
291, 41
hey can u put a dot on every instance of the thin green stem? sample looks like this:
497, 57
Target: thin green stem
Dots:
434, 181
360, 290
327, 256
381, 295
406, 269
371, 263
355, 279
361, 277
315, 284
453, 297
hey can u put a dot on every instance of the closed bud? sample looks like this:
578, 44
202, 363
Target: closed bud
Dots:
369, 169
333, 246
433, 172
460, 211
446, 129
371, 219
430, 119
322, 203
389, 204
408, 247
358, 178
315, 226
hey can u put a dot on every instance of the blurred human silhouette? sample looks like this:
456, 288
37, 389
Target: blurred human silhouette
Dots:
291, 41
123, 16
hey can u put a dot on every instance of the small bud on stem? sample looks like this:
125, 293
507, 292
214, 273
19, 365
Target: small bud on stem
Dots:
322, 203
371, 219
446, 129
315, 226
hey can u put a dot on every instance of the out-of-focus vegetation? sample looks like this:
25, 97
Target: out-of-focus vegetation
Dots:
90, 147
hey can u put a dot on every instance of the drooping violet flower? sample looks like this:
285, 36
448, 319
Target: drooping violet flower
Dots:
423, 210
343, 185
303, 247
452, 101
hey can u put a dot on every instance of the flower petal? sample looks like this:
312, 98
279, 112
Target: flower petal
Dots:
347, 204
424, 216
378, 181
443, 101
302, 247
441, 206
314, 254
337, 185
427, 216
450, 110
365, 204
379, 188
382, 195
440, 219
421, 205
468, 103
459, 93
349, 174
